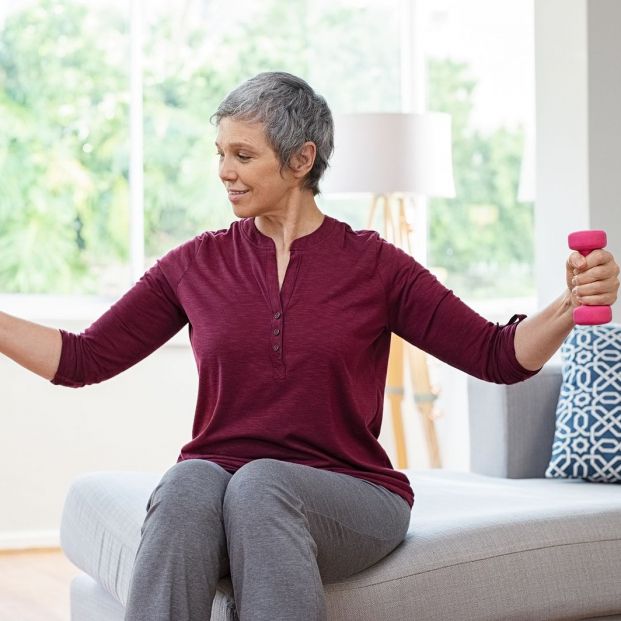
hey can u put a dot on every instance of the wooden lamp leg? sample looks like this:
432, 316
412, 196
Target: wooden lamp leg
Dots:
395, 392
424, 397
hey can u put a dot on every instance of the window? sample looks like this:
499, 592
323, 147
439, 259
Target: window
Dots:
480, 68
66, 152
63, 146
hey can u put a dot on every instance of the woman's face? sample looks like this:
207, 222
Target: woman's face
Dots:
250, 170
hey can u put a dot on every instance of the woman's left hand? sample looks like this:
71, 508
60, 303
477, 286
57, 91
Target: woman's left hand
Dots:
592, 280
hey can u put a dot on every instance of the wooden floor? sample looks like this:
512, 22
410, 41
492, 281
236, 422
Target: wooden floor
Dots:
34, 585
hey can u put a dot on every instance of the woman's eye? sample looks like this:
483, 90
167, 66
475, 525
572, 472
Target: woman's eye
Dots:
240, 156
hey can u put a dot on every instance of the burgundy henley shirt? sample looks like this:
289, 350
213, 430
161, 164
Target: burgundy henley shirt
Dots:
296, 374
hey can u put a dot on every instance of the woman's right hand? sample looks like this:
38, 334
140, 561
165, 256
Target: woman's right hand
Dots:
33, 346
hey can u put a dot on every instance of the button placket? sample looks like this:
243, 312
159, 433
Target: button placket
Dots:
279, 297
277, 334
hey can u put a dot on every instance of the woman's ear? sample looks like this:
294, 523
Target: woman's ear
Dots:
302, 162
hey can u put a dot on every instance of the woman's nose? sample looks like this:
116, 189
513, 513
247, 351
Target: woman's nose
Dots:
226, 170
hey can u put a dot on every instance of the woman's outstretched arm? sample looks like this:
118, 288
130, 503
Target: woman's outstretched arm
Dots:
33, 346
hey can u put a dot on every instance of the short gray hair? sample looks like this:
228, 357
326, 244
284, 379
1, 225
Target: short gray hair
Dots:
292, 113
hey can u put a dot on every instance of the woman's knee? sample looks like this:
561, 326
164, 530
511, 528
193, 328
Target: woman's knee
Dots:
193, 487
255, 487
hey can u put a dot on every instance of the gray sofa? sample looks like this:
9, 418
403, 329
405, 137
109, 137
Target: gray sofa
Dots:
500, 542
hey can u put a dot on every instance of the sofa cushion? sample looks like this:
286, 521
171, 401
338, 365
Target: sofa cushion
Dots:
587, 440
478, 548
101, 522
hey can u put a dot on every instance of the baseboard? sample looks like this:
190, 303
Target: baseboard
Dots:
29, 539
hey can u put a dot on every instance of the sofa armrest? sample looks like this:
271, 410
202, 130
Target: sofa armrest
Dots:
512, 427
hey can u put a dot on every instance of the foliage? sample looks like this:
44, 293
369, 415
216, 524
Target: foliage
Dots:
63, 147
484, 237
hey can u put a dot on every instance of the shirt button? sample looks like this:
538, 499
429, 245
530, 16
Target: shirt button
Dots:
275, 347
276, 315
276, 332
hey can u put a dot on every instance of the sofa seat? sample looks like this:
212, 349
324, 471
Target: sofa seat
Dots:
478, 548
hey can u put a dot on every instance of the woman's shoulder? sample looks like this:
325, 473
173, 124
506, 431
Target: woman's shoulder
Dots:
363, 239
205, 238
179, 259
371, 243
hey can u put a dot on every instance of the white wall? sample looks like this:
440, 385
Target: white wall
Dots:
604, 121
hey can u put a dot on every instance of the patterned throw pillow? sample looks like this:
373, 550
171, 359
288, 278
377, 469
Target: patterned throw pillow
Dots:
587, 442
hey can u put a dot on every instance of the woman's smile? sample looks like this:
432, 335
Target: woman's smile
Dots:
236, 195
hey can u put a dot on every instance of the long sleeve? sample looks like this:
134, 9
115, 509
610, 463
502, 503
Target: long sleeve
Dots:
147, 316
425, 313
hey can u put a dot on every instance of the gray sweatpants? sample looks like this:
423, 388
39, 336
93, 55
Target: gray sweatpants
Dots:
279, 529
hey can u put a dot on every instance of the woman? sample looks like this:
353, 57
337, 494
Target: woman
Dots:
284, 485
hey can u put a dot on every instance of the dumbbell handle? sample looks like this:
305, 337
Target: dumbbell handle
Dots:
585, 242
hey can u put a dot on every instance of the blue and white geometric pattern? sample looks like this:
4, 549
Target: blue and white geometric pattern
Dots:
587, 442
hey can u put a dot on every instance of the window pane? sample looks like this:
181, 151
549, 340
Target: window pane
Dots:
63, 147
481, 71
195, 52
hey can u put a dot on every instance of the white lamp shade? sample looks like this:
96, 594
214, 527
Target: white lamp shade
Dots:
383, 153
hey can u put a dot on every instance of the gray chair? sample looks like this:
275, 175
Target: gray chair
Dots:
500, 542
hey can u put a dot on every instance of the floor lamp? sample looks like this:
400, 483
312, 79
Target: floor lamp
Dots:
397, 158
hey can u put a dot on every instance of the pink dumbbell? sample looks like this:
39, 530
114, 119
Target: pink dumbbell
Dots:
584, 242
